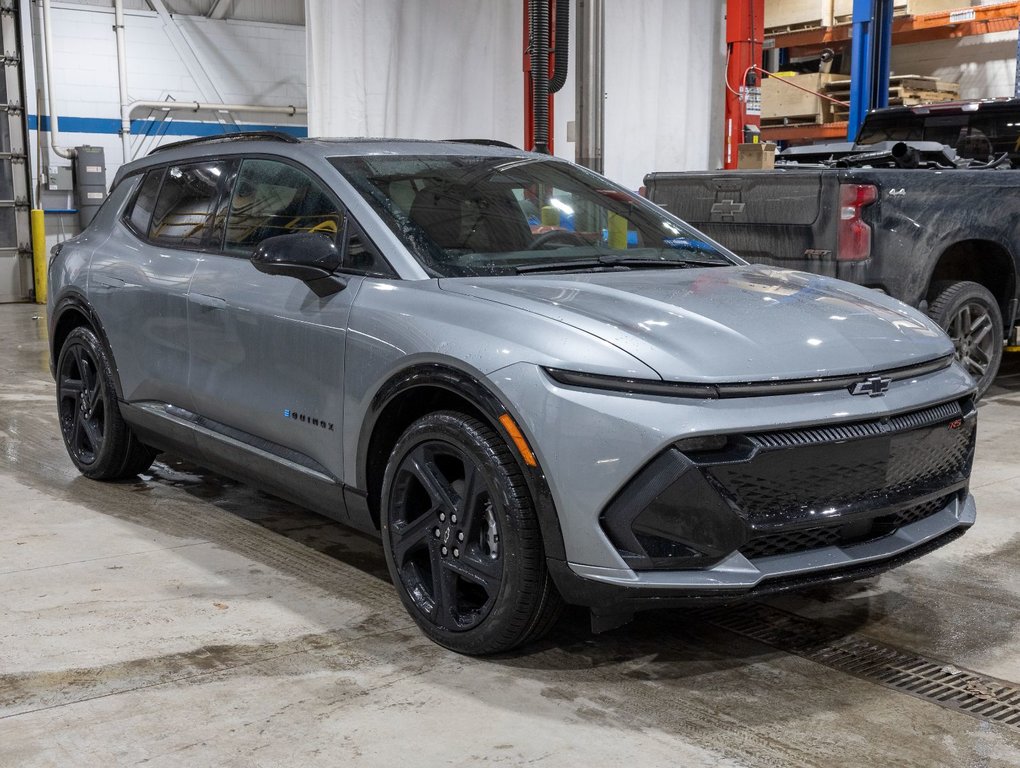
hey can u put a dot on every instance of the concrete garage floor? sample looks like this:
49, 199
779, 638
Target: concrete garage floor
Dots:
184, 620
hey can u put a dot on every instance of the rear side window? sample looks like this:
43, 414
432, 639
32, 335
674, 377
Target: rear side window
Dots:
272, 198
187, 199
145, 201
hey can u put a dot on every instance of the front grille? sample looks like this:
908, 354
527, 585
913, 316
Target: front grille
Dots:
788, 542
918, 512
794, 477
796, 437
791, 541
766, 494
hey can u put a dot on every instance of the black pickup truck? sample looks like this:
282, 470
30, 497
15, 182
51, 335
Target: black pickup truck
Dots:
921, 206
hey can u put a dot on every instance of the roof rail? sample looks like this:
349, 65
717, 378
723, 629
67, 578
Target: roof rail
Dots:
227, 137
484, 143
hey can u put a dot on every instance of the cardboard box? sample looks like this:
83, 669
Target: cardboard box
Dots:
779, 99
921, 7
785, 15
756, 156
842, 10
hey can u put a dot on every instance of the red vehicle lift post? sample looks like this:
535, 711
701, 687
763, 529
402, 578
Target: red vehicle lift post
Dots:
745, 34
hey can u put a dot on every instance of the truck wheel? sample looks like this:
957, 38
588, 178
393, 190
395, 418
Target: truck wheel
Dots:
970, 315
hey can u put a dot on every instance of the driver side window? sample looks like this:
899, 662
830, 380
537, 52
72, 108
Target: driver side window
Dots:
272, 198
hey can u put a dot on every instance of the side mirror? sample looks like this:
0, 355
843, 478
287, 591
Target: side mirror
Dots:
311, 257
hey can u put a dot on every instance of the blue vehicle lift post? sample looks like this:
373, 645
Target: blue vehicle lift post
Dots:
871, 44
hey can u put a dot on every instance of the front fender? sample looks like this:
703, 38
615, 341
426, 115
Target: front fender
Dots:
471, 387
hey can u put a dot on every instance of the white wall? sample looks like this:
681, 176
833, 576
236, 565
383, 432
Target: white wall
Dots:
247, 63
278, 11
983, 65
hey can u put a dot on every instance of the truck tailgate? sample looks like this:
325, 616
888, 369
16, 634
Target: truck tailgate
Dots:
777, 217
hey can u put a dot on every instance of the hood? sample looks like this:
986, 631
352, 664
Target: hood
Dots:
718, 324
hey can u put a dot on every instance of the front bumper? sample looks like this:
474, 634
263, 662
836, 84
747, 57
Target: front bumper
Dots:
737, 577
613, 604
809, 489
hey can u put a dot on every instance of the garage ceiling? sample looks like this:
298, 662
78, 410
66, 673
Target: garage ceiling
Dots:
276, 11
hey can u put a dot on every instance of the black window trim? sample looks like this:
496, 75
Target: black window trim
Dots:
343, 234
125, 215
144, 237
341, 231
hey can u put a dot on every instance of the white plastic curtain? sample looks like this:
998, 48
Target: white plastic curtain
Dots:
665, 87
426, 69
453, 69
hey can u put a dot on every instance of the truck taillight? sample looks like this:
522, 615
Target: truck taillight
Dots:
854, 243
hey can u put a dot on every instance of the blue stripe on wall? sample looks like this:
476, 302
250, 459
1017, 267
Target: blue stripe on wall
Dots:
156, 127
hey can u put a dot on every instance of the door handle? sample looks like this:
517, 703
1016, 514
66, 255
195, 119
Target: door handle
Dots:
208, 302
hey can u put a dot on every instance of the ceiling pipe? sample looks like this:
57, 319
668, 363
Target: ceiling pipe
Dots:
48, 77
175, 34
590, 83
125, 117
198, 106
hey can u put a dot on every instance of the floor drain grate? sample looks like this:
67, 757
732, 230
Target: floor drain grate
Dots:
985, 698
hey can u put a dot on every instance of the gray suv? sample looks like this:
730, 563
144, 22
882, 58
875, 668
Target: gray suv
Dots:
535, 386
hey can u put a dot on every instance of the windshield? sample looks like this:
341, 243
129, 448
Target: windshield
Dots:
466, 216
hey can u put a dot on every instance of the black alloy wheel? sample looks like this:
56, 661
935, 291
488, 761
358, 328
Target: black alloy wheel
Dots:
970, 315
98, 441
82, 407
461, 537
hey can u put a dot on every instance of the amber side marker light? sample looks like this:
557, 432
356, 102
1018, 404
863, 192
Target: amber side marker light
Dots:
515, 434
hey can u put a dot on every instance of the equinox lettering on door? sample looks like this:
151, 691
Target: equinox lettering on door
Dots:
306, 419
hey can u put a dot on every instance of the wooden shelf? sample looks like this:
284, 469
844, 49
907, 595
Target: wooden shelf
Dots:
945, 25
963, 22
823, 131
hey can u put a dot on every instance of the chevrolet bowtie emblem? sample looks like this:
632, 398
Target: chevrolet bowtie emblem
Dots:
873, 387
727, 208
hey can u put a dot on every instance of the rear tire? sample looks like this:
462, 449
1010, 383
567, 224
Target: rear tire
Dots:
462, 539
97, 439
969, 313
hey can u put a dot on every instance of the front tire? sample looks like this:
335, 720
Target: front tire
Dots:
97, 439
969, 313
462, 539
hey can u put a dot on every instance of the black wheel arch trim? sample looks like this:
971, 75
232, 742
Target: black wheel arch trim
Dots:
471, 388
1010, 303
76, 301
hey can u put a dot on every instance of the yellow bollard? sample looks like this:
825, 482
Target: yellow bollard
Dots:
617, 232
39, 261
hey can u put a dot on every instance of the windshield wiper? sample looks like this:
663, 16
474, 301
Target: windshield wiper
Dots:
642, 261
609, 262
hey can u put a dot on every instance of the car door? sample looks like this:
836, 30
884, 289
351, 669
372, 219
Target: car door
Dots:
267, 353
139, 277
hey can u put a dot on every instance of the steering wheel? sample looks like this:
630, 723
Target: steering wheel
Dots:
570, 238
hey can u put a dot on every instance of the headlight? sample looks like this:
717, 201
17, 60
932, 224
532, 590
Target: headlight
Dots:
631, 386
